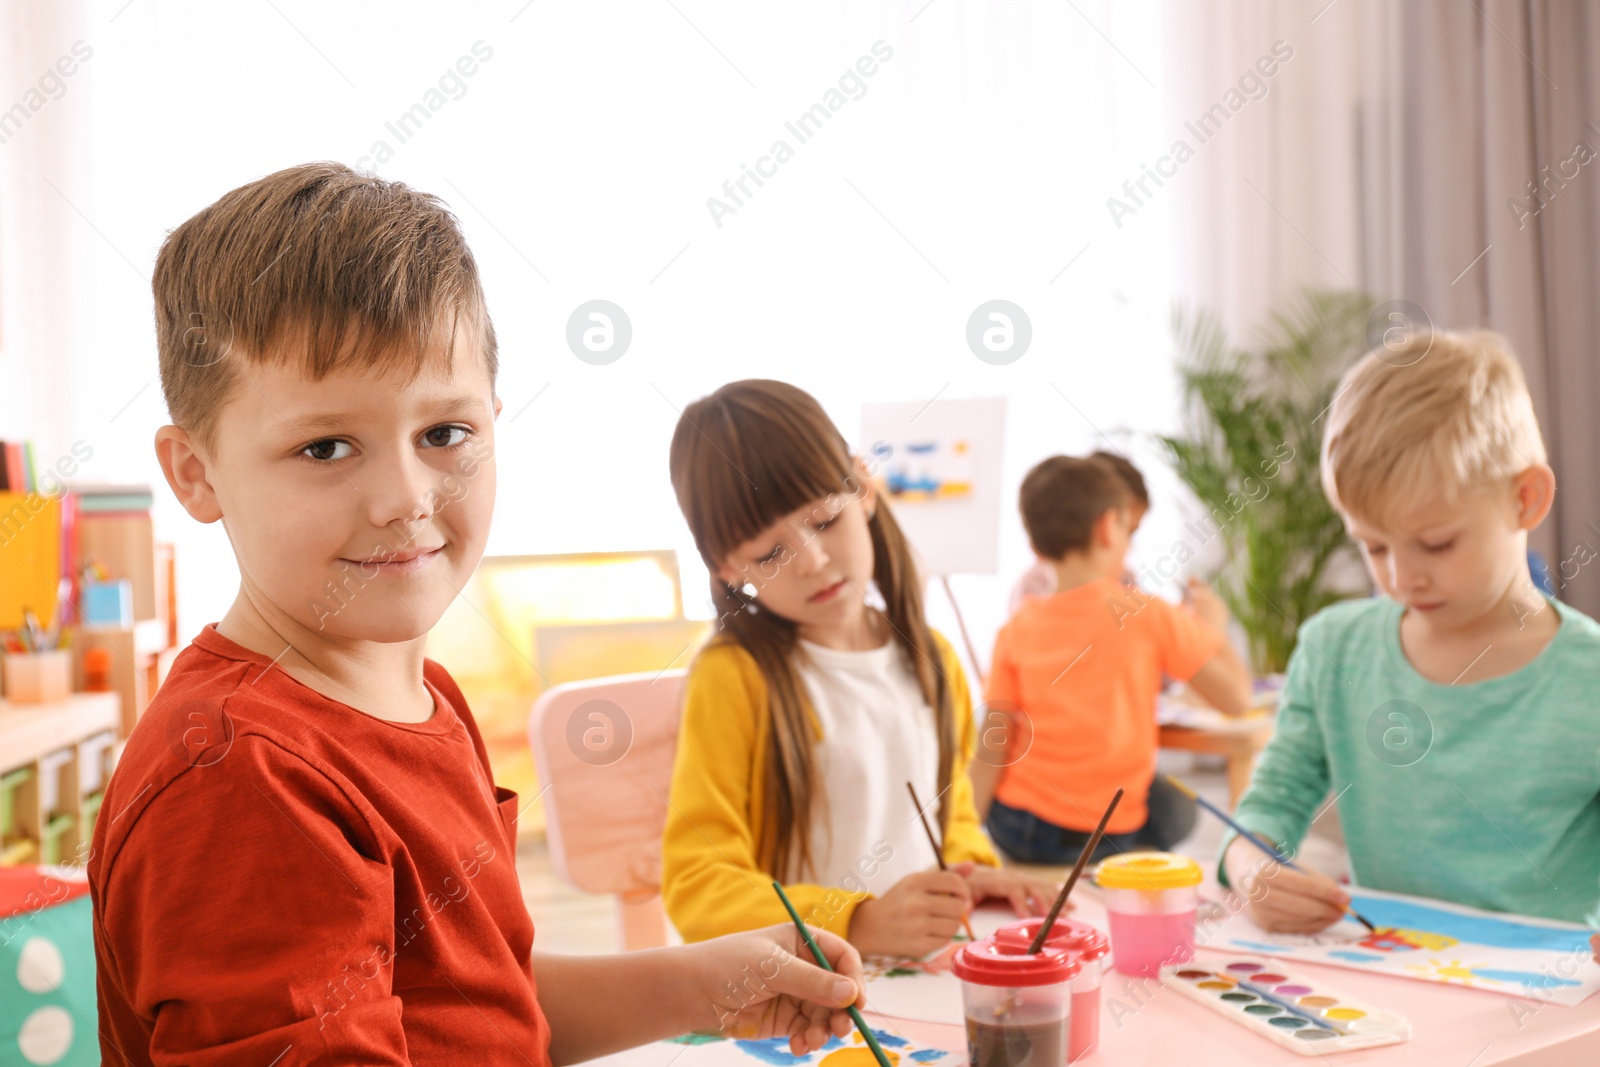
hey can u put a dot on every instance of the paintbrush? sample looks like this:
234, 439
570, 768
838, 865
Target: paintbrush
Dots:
938, 852
1256, 841
822, 961
1072, 879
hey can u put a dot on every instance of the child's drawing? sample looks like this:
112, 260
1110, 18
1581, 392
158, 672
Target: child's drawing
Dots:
703, 1050
932, 468
1437, 942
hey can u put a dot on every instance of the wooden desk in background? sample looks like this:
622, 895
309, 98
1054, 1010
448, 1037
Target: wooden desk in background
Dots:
1239, 743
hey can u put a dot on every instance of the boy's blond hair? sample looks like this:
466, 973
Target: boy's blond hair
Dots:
1445, 411
300, 264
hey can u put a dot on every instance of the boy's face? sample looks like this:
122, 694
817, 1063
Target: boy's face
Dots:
1454, 562
357, 505
812, 566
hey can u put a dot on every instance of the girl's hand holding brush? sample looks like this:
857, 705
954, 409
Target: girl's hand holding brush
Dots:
919, 914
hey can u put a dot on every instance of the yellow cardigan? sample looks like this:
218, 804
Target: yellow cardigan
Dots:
710, 878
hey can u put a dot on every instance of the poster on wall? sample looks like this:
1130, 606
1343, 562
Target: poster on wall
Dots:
938, 465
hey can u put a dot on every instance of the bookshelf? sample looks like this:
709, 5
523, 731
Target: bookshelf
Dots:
124, 543
55, 757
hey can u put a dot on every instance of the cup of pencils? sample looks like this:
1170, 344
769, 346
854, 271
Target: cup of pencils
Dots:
37, 663
1018, 1004
38, 677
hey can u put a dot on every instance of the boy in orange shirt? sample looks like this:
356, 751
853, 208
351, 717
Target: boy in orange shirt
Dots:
303, 858
1039, 580
1079, 672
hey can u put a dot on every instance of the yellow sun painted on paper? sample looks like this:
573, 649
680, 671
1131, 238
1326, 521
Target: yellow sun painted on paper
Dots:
858, 1055
1454, 971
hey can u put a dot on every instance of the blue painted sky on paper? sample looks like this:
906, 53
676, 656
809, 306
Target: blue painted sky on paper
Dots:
1478, 930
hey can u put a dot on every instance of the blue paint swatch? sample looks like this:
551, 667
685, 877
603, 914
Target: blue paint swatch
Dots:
775, 1051
772, 1050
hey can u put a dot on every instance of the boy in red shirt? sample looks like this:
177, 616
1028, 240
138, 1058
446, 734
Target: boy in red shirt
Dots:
303, 858
1081, 669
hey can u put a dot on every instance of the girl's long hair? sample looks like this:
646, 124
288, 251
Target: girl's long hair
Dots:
742, 458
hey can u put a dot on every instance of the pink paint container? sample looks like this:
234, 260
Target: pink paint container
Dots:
1150, 898
1090, 947
1018, 1006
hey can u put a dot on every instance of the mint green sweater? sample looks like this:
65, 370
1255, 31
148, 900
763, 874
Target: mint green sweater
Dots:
1485, 794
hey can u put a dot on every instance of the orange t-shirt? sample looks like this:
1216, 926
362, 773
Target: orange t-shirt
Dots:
1085, 667
280, 878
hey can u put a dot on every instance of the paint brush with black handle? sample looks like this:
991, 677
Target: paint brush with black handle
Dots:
938, 852
1072, 879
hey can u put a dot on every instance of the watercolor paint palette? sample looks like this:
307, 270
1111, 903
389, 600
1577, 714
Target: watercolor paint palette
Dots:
1301, 1014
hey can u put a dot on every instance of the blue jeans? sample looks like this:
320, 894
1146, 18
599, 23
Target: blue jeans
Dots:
1023, 837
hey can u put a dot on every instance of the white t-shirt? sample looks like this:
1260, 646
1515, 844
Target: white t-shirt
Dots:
878, 733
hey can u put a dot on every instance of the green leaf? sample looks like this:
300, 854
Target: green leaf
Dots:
1253, 427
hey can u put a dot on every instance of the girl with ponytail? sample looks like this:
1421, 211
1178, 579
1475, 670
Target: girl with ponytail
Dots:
815, 702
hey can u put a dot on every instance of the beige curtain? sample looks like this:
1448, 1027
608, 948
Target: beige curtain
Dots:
1435, 151
1501, 114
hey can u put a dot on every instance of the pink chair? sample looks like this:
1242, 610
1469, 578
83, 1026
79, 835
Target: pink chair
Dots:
604, 750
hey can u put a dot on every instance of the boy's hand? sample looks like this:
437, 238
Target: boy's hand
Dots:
766, 983
1028, 896
919, 914
1295, 902
1206, 603
1594, 943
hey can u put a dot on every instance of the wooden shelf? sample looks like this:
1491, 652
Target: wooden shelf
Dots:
29, 731
54, 761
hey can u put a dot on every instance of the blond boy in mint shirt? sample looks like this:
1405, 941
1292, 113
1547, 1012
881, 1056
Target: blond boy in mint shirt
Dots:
1455, 718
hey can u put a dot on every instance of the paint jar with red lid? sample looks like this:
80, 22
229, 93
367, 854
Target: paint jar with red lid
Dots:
1090, 947
1018, 1005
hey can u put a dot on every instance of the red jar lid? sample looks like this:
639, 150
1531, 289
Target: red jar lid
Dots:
1085, 941
989, 962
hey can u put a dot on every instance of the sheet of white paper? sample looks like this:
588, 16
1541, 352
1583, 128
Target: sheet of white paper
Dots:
930, 998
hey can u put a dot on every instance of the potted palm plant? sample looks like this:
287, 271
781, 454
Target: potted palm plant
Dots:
1250, 454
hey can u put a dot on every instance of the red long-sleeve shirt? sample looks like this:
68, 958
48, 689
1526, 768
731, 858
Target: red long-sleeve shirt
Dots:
279, 878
